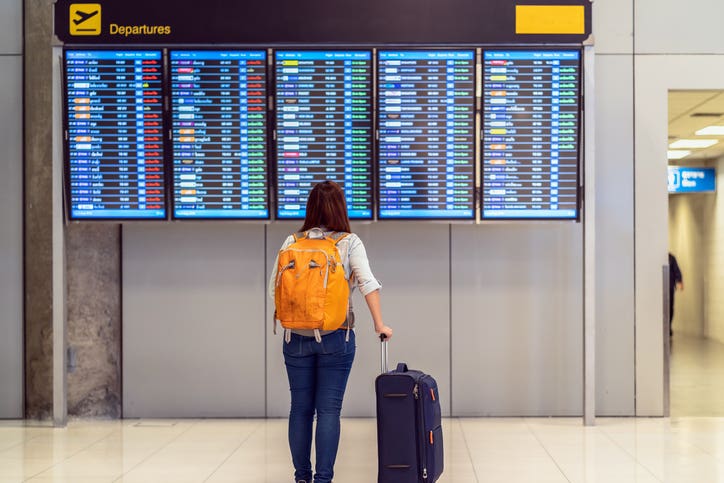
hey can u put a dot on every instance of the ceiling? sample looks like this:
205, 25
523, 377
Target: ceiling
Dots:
690, 111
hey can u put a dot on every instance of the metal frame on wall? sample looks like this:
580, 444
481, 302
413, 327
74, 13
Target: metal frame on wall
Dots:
477, 190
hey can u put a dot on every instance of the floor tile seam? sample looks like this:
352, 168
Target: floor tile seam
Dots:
707, 452
467, 448
555, 462
49, 468
13, 446
35, 475
161, 448
22, 442
689, 444
118, 429
627, 452
247, 438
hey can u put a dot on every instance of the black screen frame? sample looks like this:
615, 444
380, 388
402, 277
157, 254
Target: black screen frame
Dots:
426, 48
267, 136
68, 208
579, 145
272, 126
372, 126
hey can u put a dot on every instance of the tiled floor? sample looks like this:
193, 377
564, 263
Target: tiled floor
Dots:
697, 376
686, 448
477, 450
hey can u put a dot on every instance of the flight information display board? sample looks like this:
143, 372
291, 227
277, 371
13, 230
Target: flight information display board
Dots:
114, 149
219, 129
426, 134
324, 128
531, 115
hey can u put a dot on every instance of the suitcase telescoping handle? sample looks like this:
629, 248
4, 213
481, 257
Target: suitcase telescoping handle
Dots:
383, 352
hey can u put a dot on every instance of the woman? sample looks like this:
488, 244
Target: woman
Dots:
318, 370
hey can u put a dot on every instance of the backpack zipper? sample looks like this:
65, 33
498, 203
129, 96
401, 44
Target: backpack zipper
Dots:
326, 271
284, 269
291, 264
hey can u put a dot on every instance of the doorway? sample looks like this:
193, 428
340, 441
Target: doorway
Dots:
696, 229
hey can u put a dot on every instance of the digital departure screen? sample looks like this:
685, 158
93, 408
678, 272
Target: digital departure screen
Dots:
530, 134
426, 134
219, 118
114, 165
324, 128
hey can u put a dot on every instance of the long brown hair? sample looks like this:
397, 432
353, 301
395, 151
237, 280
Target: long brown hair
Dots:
326, 207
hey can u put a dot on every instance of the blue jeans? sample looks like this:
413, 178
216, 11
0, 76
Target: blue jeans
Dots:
318, 373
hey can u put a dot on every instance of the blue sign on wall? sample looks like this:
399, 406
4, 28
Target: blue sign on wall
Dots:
692, 180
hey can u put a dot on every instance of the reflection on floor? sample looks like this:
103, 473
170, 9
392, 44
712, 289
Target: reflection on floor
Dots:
476, 450
697, 376
509, 450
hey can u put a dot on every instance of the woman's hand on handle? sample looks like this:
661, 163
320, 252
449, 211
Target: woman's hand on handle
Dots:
384, 332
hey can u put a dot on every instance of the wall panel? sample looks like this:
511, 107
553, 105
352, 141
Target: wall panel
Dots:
614, 236
673, 27
193, 320
712, 218
11, 27
277, 387
613, 26
692, 222
11, 235
514, 287
517, 321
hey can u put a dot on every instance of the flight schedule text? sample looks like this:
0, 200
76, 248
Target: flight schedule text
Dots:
530, 134
324, 128
219, 122
115, 167
426, 122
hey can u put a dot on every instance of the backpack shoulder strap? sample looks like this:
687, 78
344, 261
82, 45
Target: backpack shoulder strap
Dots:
305, 234
336, 236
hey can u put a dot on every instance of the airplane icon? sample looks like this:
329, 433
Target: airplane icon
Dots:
85, 19
84, 16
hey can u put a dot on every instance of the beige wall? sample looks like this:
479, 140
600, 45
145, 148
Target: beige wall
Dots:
696, 232
686, 243
714, 270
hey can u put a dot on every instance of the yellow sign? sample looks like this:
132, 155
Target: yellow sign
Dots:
550, 19
85, 19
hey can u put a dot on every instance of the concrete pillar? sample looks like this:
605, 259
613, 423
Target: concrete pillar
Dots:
38, 211
94, 320
93, 262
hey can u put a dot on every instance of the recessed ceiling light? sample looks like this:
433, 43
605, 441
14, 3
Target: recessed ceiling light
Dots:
693, 143
677, 154
711, 131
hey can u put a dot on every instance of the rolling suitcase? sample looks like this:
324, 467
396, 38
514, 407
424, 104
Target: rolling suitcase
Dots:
409, 431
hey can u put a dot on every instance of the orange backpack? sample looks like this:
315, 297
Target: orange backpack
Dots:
311, 291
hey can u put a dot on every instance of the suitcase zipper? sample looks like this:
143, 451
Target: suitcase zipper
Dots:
421, 417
